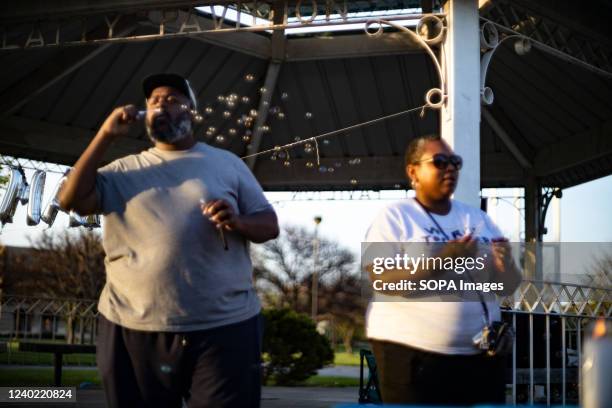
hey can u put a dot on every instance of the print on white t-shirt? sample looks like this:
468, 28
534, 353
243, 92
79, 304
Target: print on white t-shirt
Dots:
442, 327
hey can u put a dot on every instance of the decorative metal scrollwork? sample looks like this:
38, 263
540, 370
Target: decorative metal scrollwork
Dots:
430, 30
489, 43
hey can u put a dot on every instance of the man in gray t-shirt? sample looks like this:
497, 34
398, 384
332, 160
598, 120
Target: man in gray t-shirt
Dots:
179, 316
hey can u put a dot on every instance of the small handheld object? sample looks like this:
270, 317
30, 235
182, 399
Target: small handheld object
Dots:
221, 232
223, 239
140, 115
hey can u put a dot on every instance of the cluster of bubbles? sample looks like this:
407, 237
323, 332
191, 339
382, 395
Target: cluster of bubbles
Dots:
242, 126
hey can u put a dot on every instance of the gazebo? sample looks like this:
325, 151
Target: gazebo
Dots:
520, 88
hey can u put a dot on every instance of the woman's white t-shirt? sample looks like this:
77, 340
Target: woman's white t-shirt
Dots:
442, 327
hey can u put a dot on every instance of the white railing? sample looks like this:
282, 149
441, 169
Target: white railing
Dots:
550, 318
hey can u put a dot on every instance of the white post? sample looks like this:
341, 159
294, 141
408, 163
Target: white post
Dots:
556, 218
556, 236
460, 118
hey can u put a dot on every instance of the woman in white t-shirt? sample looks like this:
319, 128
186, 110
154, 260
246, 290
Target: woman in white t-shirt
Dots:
424, 350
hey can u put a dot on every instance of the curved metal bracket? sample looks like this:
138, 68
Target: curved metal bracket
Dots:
489, 43
545, 198
435, 97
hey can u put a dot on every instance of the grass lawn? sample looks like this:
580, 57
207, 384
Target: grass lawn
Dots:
44, 376
13, 356
318, 381
344, 358
29, 358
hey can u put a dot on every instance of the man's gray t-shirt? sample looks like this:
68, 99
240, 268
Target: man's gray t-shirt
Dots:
166, 267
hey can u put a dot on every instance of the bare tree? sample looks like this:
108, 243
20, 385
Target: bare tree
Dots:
69, 265
600, 273
283, 271
341, 301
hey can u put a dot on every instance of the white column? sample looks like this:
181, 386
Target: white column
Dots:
460, 118
556, 218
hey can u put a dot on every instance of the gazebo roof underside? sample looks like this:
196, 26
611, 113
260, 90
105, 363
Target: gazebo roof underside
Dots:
551, 118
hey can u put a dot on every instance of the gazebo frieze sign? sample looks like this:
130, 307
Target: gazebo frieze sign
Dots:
184, 21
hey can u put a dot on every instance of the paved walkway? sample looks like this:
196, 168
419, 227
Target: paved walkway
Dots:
342, 371
272, 397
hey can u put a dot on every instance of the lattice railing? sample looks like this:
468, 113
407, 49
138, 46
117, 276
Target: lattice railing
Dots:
561, 298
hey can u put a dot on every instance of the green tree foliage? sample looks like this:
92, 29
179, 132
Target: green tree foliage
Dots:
293, 349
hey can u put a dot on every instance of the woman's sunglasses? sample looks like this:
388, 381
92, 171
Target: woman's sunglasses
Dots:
441, 161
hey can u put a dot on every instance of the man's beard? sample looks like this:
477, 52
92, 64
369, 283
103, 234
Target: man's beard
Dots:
176, 130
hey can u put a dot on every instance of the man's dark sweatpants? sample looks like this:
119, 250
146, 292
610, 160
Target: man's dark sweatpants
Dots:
219, 367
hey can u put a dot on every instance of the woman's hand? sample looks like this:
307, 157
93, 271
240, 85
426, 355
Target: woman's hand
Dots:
466, 246
504, 266
501, 251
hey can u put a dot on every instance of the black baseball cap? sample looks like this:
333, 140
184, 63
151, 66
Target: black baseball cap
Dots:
174, 80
